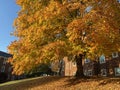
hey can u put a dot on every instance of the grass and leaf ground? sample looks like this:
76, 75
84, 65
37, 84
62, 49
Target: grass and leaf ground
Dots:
62, 83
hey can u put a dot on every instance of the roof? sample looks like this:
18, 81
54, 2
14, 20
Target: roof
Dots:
4, 54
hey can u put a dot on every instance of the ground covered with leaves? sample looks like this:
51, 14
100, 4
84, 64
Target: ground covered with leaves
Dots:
64, 83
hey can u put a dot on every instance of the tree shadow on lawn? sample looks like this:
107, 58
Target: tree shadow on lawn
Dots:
68, 82
101, 81
31, 83
109, 81
76, 80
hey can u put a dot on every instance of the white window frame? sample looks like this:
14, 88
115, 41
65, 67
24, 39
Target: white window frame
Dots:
102, 61
104, 72
116, 72
4, 61
115, 55
3, 68
87, 61
85, 72
90, 71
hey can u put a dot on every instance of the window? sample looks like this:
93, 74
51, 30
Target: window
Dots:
87, 60
89, 72
85, 72
3, 68
74, 63
5, 59
102, 59
103, 72
9, 69
88, 9
115, 55
117, 71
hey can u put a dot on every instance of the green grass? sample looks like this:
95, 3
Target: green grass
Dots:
18, 81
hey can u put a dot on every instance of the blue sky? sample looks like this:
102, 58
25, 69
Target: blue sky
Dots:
8, 12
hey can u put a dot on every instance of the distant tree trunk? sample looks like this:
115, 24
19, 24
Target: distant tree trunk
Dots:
60, 67
97, 69
60, 70
79, 72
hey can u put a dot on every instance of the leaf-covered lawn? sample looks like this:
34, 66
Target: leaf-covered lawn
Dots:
63, 83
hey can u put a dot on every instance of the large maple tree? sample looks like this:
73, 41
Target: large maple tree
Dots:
49, 30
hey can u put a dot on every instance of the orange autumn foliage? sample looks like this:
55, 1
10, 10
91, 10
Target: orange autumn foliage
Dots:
52, 29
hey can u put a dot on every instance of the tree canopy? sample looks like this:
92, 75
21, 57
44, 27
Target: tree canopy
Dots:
49, 30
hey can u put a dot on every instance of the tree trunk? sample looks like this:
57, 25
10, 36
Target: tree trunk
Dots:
79, 72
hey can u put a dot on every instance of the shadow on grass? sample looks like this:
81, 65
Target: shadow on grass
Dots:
31, 83
109, 81
64, 82
76, 80
101, 81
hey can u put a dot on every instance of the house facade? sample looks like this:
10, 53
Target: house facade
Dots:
64, 67
68, 67
5, 67
90, 68
110, 66
104, 66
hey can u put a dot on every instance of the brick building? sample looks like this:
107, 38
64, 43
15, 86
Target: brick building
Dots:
68, 68
90, 68
110, 66
104, 66
64, 67
5, 67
